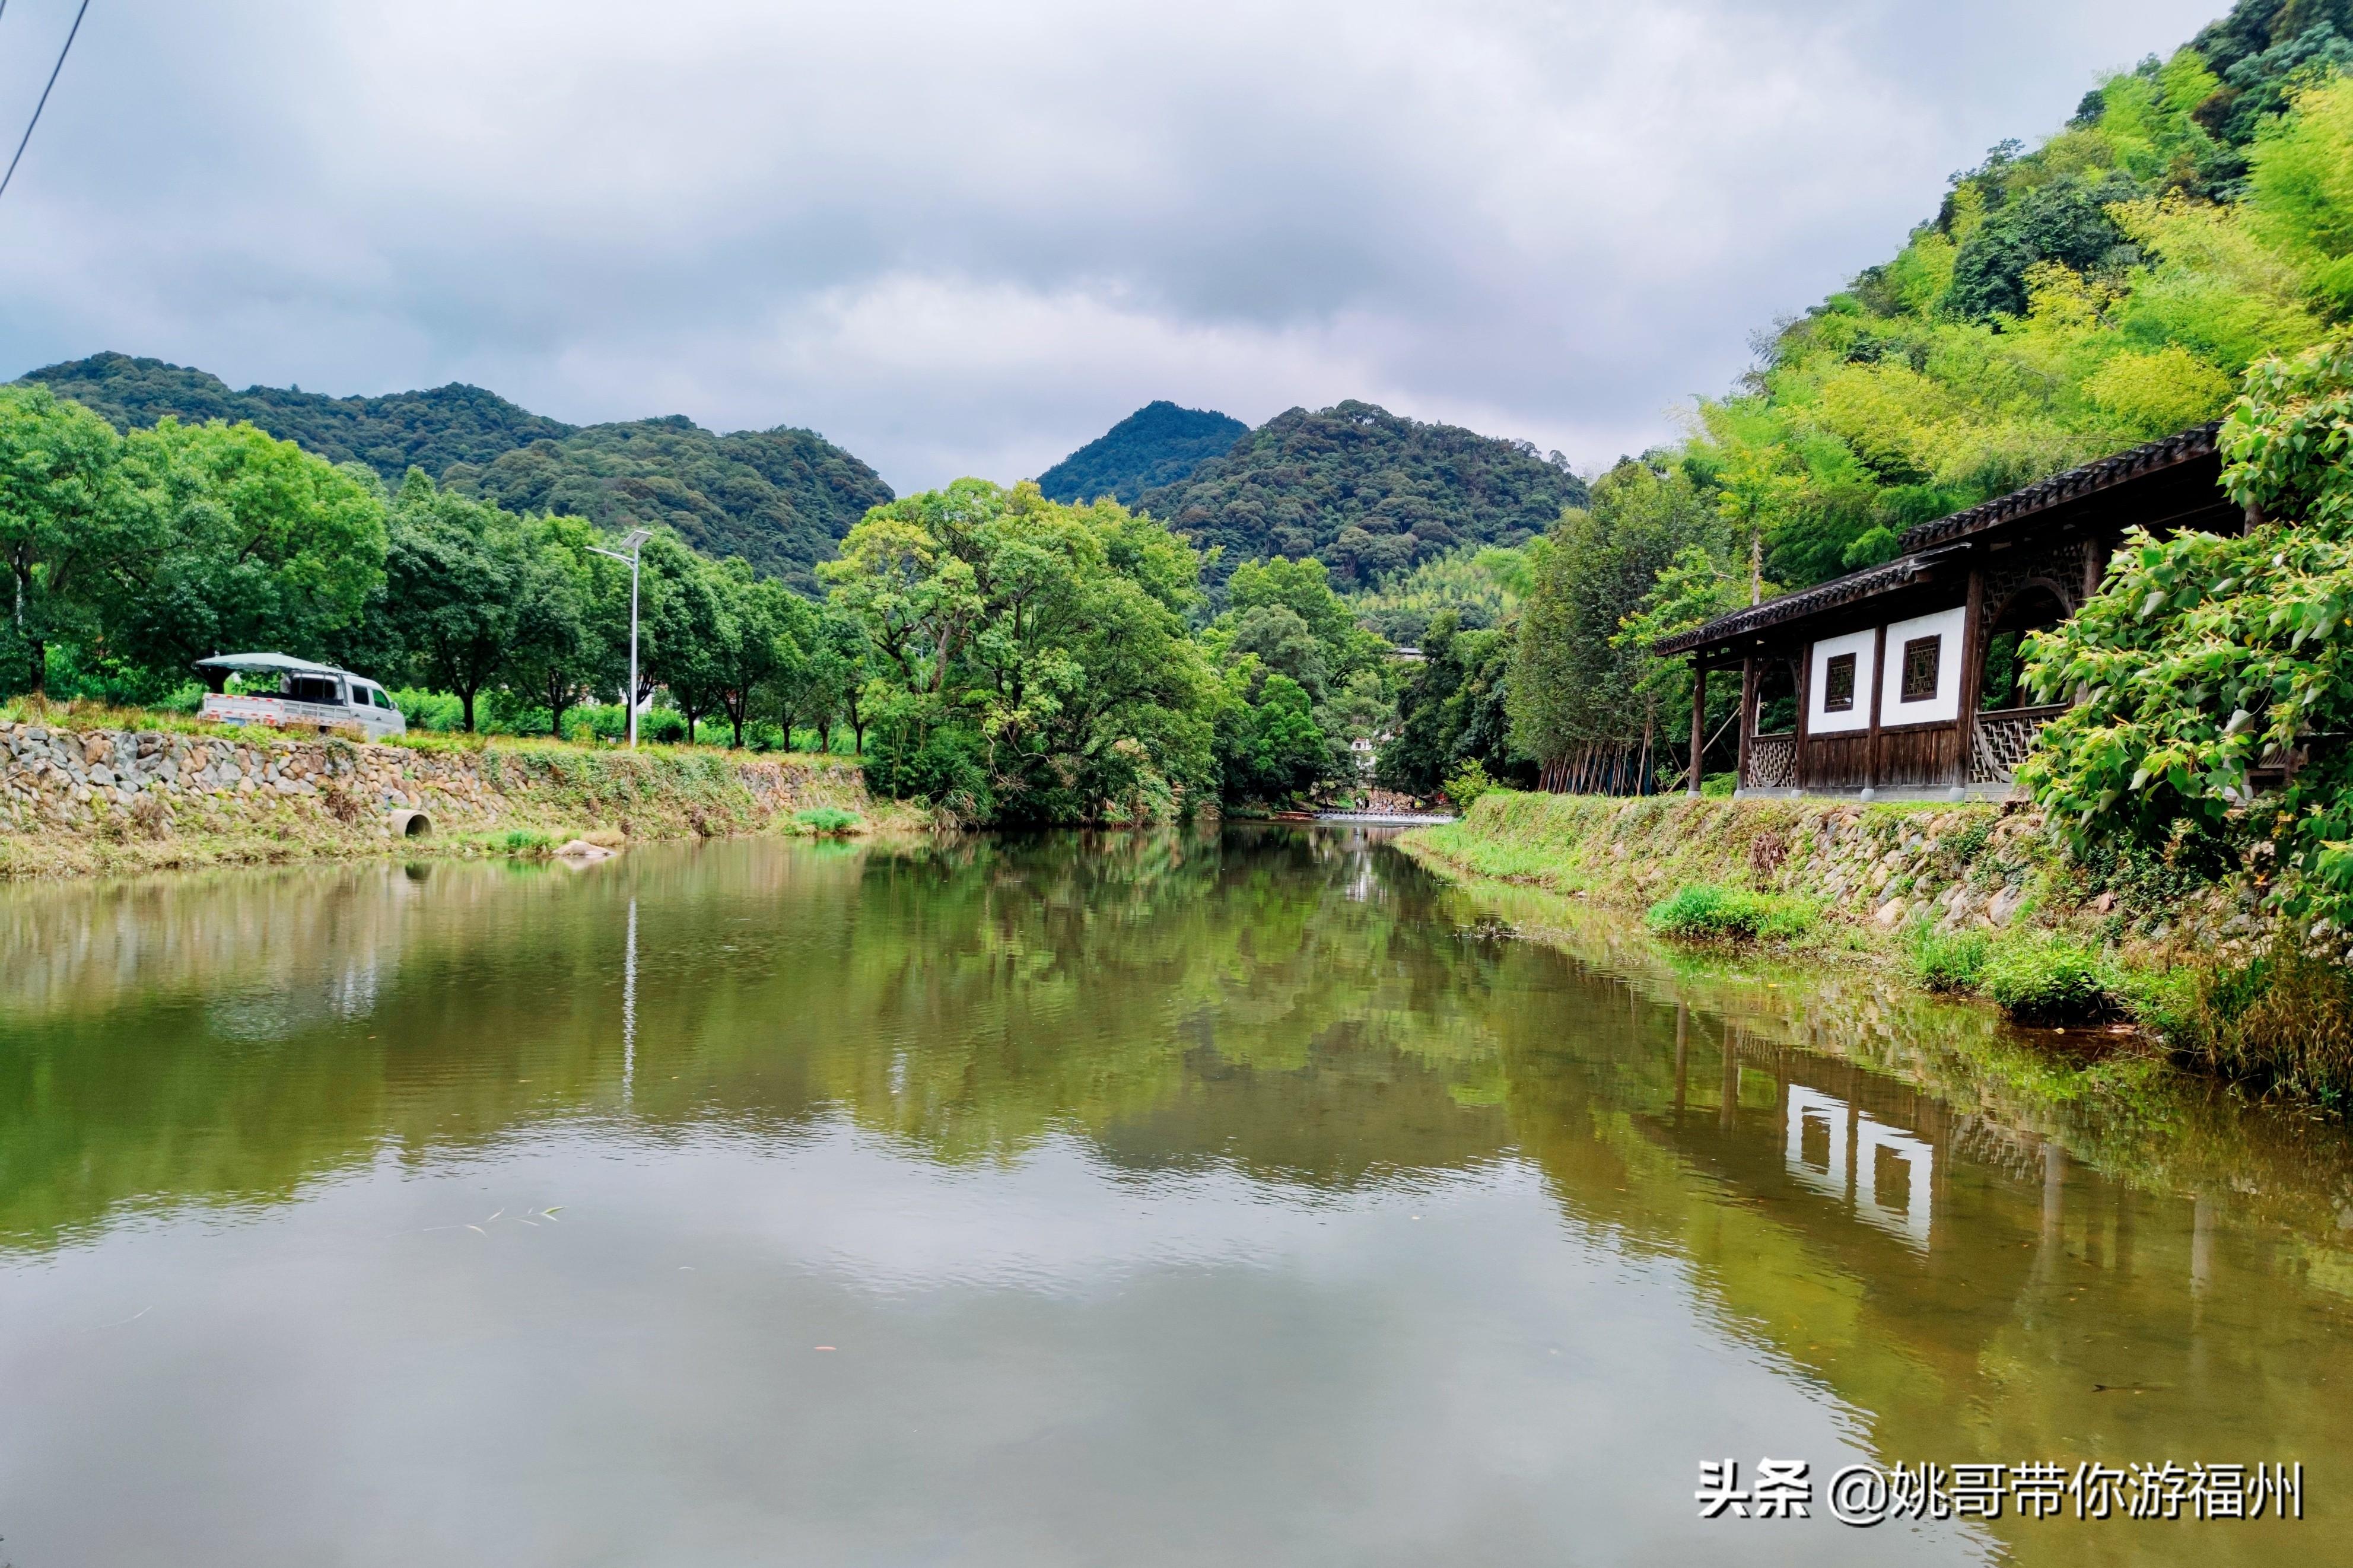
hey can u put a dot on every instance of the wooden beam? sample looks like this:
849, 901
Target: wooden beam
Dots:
1699, 724
1805, 704
1972, 676
1878, 684
1747, 718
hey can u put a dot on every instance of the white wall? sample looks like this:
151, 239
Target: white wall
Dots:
1945, 706
1941, 708
1819, 721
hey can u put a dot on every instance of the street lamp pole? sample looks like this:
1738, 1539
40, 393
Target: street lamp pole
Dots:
634, 542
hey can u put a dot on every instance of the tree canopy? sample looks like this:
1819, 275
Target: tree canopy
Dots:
1031, 660
779, 499
2107, 289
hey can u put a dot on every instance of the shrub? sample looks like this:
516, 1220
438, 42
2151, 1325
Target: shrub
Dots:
525, 841
665, 725
1468, 783
766, 735
1969, 842
1705, 912
2281, 1025
944, 768
1950, 961
826, 820
433, 712
597, 721
2052, 982
1718, 786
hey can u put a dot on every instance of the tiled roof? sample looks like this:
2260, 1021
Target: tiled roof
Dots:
1827, 596
1873, 580
2198, 442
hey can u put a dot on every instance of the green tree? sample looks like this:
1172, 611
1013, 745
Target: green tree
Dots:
836, 675
2204, 658
689, 628
1270, 747
767, 628
1030, 660
1696, 588
64, 523
454, 571
569, 602
1452, 709
1582, 695
258, 545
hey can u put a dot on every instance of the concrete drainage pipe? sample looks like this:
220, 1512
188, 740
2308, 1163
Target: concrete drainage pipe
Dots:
411, 824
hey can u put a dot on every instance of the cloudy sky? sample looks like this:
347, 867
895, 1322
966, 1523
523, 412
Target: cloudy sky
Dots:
966, 238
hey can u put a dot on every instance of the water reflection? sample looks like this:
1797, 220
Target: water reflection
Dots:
1893, 1186
1175, 1198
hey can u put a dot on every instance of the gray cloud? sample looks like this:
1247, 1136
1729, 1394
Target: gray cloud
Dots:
965, 238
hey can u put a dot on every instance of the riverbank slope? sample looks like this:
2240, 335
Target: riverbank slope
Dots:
92, 800
1870, 874
1977, 899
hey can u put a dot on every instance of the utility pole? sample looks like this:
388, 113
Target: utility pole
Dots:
634, 542
1757, 567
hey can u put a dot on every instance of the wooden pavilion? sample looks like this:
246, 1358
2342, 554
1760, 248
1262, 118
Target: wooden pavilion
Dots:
1899, 681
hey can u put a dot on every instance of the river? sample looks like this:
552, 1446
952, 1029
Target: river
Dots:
1251, 1198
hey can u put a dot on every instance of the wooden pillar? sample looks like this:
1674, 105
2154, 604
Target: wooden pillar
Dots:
1747, 720
1699, 720
1805, 699
1965, 723
1878, 684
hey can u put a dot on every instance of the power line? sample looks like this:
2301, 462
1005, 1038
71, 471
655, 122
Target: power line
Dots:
45, 93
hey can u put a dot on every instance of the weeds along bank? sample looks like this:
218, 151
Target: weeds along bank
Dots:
81, 801
1850, 874
1976, 899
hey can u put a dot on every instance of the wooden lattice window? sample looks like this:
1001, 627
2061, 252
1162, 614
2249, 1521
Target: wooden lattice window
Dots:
1838, 684
1921, 656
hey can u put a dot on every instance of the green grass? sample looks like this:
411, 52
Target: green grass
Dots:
1948, 960
1703, 911
2281, 1025
826, 821
2051, 982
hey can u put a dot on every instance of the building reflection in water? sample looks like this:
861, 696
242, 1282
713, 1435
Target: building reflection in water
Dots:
1885, 1175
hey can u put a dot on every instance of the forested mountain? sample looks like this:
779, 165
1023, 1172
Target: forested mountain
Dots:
2104, 289
1159, 443
1366, 491
779, 499
429, 430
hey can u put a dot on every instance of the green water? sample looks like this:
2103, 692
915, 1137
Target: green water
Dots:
1126, 1200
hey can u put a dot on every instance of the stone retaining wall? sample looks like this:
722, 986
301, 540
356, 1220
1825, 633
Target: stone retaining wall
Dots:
151, 786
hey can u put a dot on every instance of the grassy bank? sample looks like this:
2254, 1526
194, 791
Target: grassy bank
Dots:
1971, 900
85, 800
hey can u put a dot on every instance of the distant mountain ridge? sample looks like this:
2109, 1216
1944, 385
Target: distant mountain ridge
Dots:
429, 430
780, 498
1159, 443
1367, 492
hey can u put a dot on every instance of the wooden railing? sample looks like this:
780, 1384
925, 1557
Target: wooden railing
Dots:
2004, 738
1772, 761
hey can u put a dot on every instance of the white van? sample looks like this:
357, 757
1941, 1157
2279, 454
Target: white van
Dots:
309, 697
